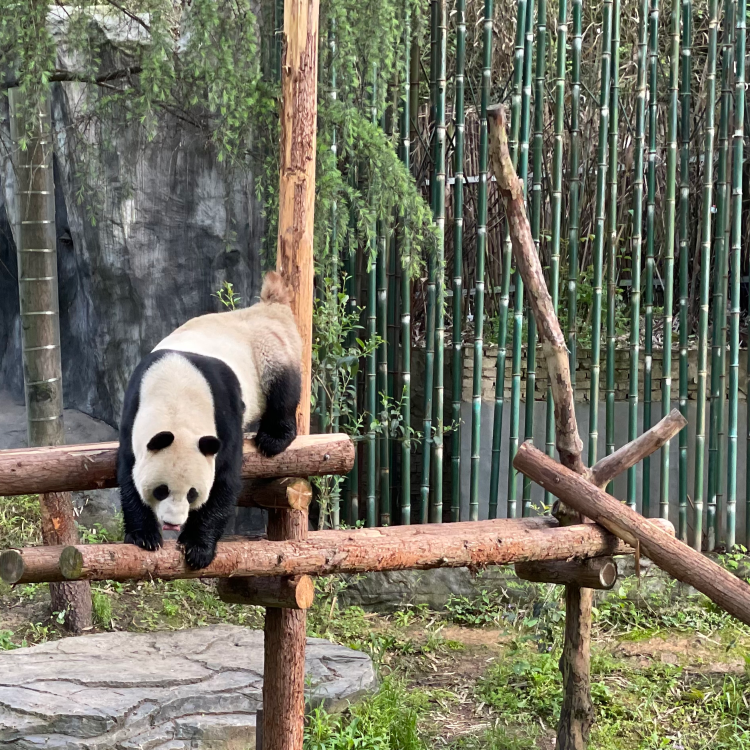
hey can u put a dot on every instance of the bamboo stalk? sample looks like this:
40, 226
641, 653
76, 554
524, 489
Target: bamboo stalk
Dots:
536, 223
612, 232
705, 266
685, 94
502, 351
476, 401
598, 252
636, 243
382, 377
405, 256
523, 173
738, 155
458, 281
653, 52
668, 253
557, 173
439, 217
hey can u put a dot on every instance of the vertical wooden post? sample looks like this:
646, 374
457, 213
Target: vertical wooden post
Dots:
40, 329
285, 629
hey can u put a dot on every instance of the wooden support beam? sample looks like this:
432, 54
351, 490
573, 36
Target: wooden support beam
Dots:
291, 593
604, 471
592, 573
473, 545
291, 493
72, 468
671, 555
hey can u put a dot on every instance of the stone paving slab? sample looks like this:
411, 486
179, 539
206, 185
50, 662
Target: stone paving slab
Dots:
191, 689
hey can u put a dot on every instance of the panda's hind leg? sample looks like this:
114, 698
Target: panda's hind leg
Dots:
278, 425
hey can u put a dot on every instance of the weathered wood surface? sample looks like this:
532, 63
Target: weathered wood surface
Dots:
671, 555
290, 593
473, 545
291, 493
71, 468
592, 573
609, 467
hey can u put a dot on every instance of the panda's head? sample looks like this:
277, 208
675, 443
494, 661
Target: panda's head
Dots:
175, 473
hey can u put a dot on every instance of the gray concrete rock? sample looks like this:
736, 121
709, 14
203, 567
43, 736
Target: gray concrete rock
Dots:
197, 689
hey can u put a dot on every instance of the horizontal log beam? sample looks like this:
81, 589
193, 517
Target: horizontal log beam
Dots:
604, 471
473, 545
72, 468
288, 593
289, 493
680, 561
593, 573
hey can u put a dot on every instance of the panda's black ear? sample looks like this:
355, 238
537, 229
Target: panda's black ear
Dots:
160, 440
209, 445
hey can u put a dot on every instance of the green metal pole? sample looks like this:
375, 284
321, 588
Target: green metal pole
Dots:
458, 280
424, 490
278, 35
669, 226
536, 222
612, 233
575, 184
371, 394
439, 216
653, 53
476, 402
719, 305
557, 173
636, 244
523, 173
601, 187
705, 267
502, 350
405, 256
738, 155
685, 90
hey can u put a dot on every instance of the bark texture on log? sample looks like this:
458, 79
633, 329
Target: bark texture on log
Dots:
671, 555
293, 493
290, 593
604, 471
592, 573
577, 706
73, 468
326, 552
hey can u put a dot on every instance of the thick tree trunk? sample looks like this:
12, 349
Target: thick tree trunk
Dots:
40, 329
473, 545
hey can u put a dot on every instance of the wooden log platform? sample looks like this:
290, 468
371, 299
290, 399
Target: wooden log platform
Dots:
474, 545
73, 468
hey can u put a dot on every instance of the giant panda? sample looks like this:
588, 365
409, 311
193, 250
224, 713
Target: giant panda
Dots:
181, 433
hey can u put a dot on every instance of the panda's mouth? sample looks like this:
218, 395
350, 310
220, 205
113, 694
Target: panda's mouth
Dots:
171, 526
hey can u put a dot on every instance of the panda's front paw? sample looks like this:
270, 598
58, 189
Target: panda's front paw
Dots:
199, 553
272, 440
148, 539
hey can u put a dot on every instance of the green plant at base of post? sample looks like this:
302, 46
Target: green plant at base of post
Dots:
718, 308
669, 225
439, 214
598, 252
705, 267
685, 90
536, 222
502, 337
575, 184
636, 243
738, 154
523, 173
653, 53
612, 233
476, 401
458, 281
405, 257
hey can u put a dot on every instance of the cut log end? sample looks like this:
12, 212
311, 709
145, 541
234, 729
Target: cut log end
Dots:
594, 573
71, 563
291, 493
11, 566
288, 593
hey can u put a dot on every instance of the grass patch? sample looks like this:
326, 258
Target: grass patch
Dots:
20, 521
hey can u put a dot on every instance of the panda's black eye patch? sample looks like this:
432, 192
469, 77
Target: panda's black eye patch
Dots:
160, 440
192, 495
161, 492
209, 445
